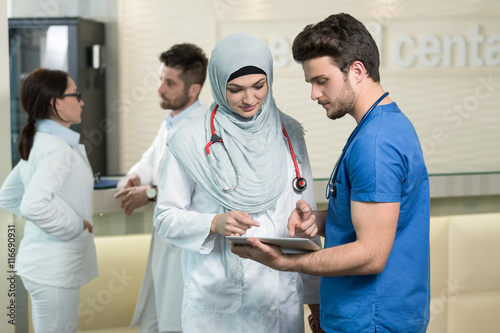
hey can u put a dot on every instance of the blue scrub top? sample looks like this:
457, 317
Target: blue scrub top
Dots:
384, 163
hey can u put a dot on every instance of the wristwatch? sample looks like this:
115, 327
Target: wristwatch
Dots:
151, 193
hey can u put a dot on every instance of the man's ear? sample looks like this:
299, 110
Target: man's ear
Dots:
194, 90
358, 71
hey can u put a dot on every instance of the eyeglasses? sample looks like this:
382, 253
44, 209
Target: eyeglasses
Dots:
78, 95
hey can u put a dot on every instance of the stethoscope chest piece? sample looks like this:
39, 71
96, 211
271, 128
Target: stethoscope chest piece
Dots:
333, 191
299, 184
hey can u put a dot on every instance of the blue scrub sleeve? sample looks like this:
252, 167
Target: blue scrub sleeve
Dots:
376, 170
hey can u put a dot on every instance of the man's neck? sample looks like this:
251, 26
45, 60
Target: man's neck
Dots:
366, 98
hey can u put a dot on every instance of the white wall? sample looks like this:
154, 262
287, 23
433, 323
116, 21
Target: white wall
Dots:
453, 106
454, 110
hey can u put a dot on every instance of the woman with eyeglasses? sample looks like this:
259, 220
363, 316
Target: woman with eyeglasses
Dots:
51, 187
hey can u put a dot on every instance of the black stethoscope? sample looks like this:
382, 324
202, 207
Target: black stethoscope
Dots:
331, 188
299, 184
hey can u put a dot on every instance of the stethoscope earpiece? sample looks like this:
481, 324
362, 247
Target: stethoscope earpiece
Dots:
299, 184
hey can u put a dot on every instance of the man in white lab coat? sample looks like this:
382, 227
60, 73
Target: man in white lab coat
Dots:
182, 74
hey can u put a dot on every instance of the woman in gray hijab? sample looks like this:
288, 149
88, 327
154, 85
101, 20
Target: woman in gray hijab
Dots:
238, 170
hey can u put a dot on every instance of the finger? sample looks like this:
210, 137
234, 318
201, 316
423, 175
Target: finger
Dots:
131, 182
87, 225
244, 218
306, 224
312, 233
312, 230
240, 250
291, 227
302, 206
129, 208
136, 181
235, 230
124, 202
119, 194
304, 228
246, 221
298, 215
311, 323
258, 244
296, 223
91, 228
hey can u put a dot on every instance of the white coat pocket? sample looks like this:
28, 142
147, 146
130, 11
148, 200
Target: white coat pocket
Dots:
207, 287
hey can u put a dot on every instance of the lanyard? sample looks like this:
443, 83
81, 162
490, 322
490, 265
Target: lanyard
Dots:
331, 188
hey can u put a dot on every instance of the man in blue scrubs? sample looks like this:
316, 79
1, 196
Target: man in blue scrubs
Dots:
375, 265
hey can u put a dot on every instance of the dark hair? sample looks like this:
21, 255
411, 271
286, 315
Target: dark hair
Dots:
190, 59
39, 92
341, 37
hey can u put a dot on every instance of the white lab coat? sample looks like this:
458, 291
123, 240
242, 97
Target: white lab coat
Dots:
53, 192
267, 300
164, 260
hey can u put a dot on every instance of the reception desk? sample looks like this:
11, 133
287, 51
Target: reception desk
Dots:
465, 266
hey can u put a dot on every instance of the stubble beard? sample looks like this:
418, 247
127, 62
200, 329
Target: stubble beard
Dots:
176, 104
343, 104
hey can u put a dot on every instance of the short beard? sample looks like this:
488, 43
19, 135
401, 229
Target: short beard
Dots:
342, 105
177, 104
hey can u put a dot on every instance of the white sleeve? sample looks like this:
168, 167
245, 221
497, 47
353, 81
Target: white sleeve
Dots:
311, 282
37, 203
12, 191
174, 217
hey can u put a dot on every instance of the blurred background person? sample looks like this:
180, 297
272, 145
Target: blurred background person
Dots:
51, 187
183, 71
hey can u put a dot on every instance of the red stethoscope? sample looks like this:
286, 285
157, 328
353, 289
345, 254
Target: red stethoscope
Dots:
299, 184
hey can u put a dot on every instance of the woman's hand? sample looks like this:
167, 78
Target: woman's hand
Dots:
313, 319
233, 223
302, 221
88, 226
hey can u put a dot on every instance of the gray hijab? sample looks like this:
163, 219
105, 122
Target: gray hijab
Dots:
248, 171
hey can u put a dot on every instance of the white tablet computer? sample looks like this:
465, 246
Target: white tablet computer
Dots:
287, 244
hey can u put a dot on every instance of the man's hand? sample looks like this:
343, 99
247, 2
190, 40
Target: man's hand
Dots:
268, 255
133, 198
302, 221
130, 180
233, 223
